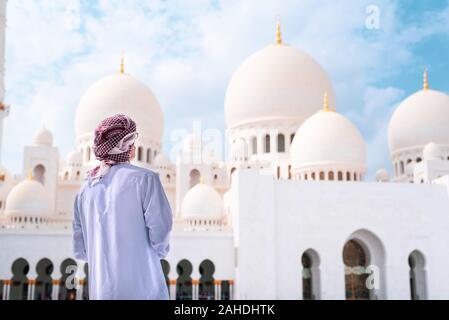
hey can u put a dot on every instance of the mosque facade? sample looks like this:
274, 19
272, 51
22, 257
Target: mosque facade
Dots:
288, 214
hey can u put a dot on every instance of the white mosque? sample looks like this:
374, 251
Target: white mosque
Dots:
287, 216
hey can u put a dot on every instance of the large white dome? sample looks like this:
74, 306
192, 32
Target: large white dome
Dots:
276, 82
120, 93
28, 198
420, 119
202, 202
328, 138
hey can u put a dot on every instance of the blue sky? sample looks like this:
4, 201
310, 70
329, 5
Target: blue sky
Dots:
186, 52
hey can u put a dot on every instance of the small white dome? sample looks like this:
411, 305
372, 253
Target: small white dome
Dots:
124, 94
161, 160
74, 159
433, 151
277, 82
28, 198
43, 137
419, 120
382, 175
202, 202
328, 138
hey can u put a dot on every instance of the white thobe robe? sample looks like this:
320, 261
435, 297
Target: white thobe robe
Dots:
121, 227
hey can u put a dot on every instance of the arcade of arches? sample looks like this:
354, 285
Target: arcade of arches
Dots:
357, 273
46, 287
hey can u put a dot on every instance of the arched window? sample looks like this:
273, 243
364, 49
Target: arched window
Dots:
281, 143
184, 281
66, 176
87, 154
149, 155
313, 176
195, 177
417, 276
402, 167
306, 176
39, 174
254, 145
206, 288
289, 172
348, 176
68, 270
355, 260
418, 160
340, 176
44, 282
19, 283
310, 275
278, 172
140, 154
322, 175
267, 144
331, 176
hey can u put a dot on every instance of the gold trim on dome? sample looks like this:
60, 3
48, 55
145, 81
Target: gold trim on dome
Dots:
278, 33
326, 107
426, 80
122, 64
326, 102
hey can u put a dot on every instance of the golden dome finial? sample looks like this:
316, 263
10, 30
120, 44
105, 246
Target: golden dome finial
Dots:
30, 175
326, 102
201, 179
122, 63
278, 32
426, 80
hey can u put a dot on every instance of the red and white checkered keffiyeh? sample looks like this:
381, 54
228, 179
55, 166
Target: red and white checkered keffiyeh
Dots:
114, 138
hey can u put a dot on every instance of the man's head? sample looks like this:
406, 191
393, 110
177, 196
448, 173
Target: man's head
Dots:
114, 139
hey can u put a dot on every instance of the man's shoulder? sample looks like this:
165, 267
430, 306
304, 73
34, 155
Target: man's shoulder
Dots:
139, 172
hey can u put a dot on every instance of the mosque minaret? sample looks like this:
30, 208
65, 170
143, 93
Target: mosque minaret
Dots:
290, 214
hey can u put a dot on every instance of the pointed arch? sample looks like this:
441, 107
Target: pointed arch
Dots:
39, 174
310, 275
418, 283
184, 281
364, 259
19, 281
44, 284
206, 289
